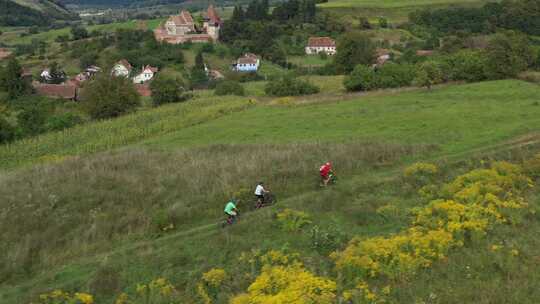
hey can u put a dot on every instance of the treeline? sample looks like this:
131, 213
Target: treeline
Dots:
521, 15
276, 34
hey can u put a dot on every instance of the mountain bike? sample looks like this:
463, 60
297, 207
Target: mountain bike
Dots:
269, 200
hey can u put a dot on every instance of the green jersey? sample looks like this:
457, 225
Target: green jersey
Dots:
230, 207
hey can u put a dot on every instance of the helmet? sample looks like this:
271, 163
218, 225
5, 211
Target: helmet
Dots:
260, 183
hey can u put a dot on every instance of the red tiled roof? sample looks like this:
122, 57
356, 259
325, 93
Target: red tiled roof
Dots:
65, 91
248, 58
212, 15
321, 42
125, 63
184, 18
151, 68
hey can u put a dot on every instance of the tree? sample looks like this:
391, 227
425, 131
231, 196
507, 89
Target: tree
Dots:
11, 80
166, 89
79, 32
198, 74
107, 97
88, 59
229, 87
429, 73
289, 86
362, 78
508, 54
354, 49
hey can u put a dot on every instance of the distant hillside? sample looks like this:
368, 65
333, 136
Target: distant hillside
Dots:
32, 12
118, 3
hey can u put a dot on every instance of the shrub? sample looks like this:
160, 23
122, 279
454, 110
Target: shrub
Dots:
288, 284
325, 240
209, 286
466, 65
289, 86
107, 97
166, 89
429, 74
62, 121
420, 174
390, 75
61, 297
362, 78
393, 75
229, 87
292, 220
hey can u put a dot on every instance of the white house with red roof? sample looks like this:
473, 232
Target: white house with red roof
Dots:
122, 69
146, 74
247, 63
182, 28
318, 45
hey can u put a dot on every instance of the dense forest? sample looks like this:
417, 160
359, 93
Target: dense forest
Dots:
521, 15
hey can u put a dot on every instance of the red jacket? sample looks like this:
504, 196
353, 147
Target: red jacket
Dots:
325, 169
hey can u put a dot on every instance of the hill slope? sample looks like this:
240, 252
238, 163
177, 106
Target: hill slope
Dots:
32, 12
103, 221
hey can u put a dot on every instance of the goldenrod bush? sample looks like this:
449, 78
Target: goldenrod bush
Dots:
475, 202
291, 284
210, 284
62, 297
420, 174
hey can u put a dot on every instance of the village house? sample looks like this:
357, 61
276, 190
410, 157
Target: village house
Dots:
318, 45
247, 63
383, 55
122, 69
4, 53
182, 28
146, 74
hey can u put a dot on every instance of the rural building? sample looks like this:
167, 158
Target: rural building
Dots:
318, 45
247, 63
182, 28
60, 91
122, 68
146, 74
4, 53
383, 55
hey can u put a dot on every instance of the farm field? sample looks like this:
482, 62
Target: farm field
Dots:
178, 164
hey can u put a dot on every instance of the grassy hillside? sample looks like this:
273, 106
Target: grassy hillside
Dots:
32, 12
395, 11
122, 202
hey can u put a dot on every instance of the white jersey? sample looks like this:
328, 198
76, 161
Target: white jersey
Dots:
259, 190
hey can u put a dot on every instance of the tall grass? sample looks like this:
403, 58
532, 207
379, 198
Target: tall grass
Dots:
54, 213
110, 134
